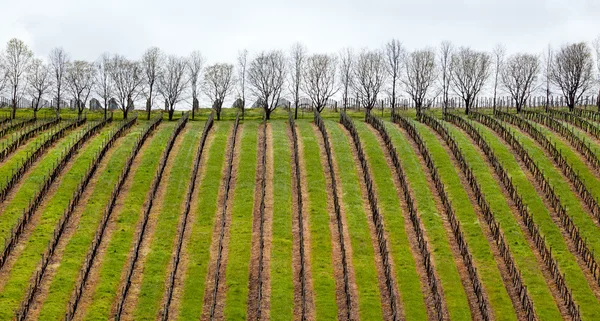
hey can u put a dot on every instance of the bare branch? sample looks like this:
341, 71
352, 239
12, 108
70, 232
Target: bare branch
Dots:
17, 61
218, 82
40, 83
445, 71
128, 79
470, 70
394, 53
346, 61
420, 75
319, 79
519, 76
151, 64
80, 79
59, 59
369, 77
571, 71
297, 61
266, 75
172, 81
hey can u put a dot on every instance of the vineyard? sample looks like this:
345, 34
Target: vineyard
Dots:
493, 215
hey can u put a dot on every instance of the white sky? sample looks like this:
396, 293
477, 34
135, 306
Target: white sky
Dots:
86, 28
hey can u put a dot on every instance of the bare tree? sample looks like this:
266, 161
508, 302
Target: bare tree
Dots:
58, 62
394, 53
128, 79
499, 52
172, 82
519, 77
346, 62
195, 65
470, 70
445, 59
318, 79
420, 75
40, 83
152, 63
103, 84
79, 79
298, 54
266, 75
17, 61
218, 82
242, 63
572, 71
548, 58
369, 77
597, 49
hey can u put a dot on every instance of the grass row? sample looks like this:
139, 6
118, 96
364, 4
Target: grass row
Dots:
198, 247
26, 263
240, 231
161, 248
363, 254
15, 160
32, 182
389, 204
324, 287
541, 215
126, 220
471, 226
454, 293
282, 284
73, 258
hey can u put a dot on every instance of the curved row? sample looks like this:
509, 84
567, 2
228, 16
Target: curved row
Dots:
14, 125
66, 217
108, 210
40, 150
336, 204
577, 121
557, 157
188, 201
24, 137
226, 193
151, 196
412, 209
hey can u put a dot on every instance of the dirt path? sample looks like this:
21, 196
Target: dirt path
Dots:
296, 227
258, 308
94, 273
414, 247
462, 269
335, 238
136, 277
70, 229
386, 300
184, 259
222, 226
30, 227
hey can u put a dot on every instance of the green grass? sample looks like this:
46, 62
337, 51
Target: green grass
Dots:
282, 284
363, 256
126, 220
20, 155
237, 271
554, 239
36, 244
483, 258
407, 278
73, 258
161, 247
198, 246
31, 183
454, 293
318, 223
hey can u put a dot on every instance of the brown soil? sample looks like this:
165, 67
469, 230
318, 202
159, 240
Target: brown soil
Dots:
184, 257
30, 227
414, 247
189, 222
309, 295
570, 245
253, 301
458, 260
138, 272
27, 173
211, 273
71, 228
559, 170
335, 237
386, 300
94, 274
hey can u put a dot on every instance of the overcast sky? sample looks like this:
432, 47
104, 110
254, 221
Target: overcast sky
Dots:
86, 28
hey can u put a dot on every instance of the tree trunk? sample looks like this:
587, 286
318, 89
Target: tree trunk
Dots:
125, 111
268, 113
171, 112
148, 108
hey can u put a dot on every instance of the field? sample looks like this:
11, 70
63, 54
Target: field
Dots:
491, 216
